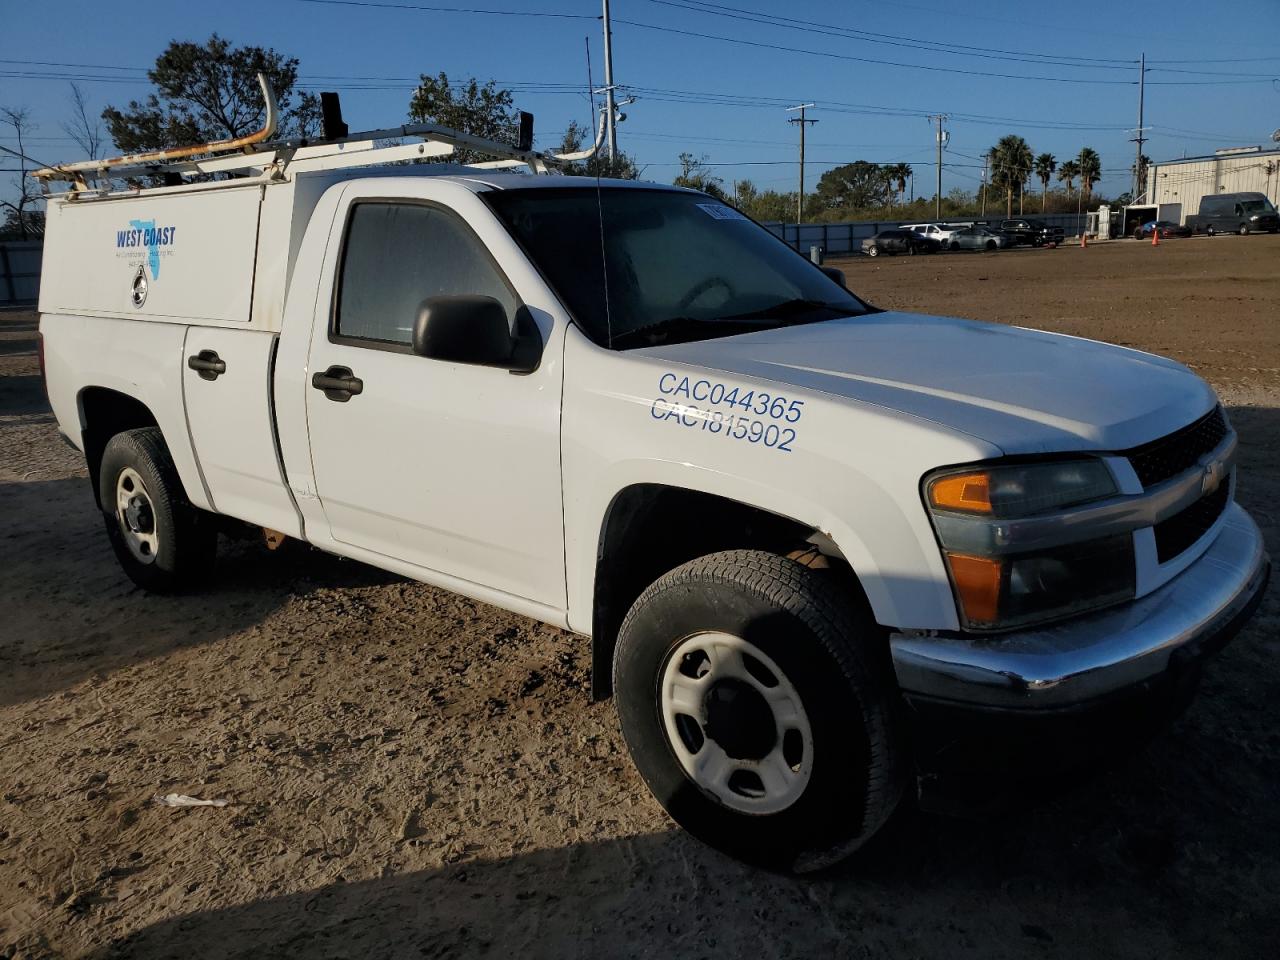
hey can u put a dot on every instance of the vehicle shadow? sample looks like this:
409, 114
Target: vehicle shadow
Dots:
71, 613
1077, 880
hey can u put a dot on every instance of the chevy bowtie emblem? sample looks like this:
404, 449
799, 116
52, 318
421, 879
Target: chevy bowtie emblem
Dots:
1214, 472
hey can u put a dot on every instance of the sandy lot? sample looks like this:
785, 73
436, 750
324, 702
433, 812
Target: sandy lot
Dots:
412, 774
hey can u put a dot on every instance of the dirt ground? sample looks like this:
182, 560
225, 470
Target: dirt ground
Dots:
412, 774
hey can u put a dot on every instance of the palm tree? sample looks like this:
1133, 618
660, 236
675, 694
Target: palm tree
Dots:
1011, 162
1090, 170
1045, 164
901, 173
1067, 172
890, 183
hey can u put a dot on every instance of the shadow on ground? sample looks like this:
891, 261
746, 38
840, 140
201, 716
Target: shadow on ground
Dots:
1028, 886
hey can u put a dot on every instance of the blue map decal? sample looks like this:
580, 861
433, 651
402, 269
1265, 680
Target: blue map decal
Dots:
153, 252
145, 233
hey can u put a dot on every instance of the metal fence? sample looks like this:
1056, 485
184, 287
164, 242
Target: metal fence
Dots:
840, 238
20, 272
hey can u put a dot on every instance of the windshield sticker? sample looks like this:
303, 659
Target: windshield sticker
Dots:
718, 211
750, 416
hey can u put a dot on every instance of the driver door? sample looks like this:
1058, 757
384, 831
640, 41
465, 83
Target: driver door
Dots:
450, 467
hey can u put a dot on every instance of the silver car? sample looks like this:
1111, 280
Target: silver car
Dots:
977, 238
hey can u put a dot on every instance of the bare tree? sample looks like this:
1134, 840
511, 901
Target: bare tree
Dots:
86, 132
21, 214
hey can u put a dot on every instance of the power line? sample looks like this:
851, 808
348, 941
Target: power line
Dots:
888, 39
385, 4
436, 9
850, 57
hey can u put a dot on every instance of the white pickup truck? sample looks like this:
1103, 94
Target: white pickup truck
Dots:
807, 538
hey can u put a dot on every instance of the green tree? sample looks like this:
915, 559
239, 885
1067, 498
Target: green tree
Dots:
1068, 170
851, 187
901, 173
209, 92
765, 206
1090, 165
695, 175
1141, 165
1044, 165
1011, 162
482, 110
621, 167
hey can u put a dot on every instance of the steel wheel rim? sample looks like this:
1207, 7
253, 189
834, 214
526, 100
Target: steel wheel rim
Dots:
135, 513
745, 770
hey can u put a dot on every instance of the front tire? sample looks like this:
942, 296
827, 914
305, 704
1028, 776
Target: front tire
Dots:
873, 252
1244, 230
1209, 231
162, 541
756, 699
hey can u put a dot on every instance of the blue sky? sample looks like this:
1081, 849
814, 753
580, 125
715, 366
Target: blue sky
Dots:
726, 99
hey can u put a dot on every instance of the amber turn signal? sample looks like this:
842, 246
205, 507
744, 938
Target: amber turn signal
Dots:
970, 492
977, 581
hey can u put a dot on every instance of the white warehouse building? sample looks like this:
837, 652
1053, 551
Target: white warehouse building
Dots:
1176, 186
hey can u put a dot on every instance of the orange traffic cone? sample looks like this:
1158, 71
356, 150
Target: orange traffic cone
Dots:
1155, 236
1084, 239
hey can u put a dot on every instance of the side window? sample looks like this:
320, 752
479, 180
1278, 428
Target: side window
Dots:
398, 254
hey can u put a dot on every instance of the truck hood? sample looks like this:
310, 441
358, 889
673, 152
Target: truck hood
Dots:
1025, 391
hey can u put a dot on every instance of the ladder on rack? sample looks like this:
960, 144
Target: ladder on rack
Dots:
257, 156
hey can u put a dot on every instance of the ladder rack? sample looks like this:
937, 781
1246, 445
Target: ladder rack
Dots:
256, 157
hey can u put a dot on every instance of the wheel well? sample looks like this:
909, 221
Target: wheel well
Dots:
650, 529
104, 413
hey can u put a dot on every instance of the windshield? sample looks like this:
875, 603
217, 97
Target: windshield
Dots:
680, 266
1257, 206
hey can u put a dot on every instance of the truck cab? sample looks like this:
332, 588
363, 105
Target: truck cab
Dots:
797, 529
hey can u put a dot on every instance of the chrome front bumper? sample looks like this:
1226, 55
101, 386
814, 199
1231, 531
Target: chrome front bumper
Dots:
1075, 661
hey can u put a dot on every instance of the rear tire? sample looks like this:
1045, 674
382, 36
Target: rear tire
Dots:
991, 245
873, 252
1209, 231
164, 543
756, 699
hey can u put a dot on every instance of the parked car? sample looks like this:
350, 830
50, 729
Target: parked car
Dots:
1241, 213
1167, 228
795, 532
942, 232
1031, 233
978, 238
899, 241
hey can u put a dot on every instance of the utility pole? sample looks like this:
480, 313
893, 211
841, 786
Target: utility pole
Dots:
802, 121
609, 106
937, 205
1140, 139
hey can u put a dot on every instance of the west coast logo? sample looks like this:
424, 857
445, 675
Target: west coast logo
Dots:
144, 235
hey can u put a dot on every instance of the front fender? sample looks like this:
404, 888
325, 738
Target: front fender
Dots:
852, 472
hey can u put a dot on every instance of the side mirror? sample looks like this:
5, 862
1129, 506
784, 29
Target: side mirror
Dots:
836, 274
476, 330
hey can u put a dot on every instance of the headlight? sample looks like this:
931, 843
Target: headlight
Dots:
997, 588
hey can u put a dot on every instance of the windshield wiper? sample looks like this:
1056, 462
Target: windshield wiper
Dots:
663, 331
779, 311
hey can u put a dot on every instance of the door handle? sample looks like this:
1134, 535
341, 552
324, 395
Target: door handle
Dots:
208, 364
338, 383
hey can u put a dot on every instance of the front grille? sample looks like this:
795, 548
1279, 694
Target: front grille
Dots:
1183, 529
1169, 456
